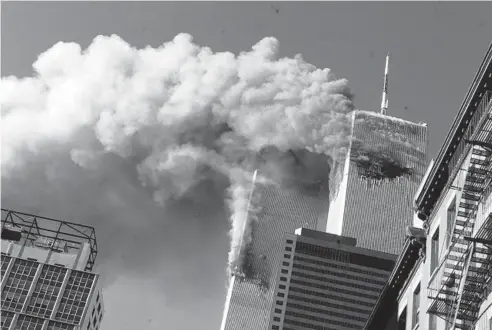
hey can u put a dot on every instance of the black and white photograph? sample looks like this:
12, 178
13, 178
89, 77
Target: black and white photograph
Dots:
246, 165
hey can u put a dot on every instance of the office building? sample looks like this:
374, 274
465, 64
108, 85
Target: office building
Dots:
327, 283
383, 168
46, 282
448, 285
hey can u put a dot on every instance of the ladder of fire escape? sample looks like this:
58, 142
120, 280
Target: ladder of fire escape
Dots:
461, 287
458, 283
475, 271
465, 307
460, 253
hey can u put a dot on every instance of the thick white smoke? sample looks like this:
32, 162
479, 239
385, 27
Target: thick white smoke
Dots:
176, 115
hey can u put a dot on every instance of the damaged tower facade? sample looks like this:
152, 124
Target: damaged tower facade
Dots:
372, 188
298, 200
382, 169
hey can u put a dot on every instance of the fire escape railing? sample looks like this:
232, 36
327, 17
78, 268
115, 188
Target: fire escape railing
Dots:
457, 286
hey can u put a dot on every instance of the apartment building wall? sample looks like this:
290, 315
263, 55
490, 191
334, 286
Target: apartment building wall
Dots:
439, 236
439, 228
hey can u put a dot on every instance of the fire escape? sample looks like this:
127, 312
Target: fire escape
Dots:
459, 285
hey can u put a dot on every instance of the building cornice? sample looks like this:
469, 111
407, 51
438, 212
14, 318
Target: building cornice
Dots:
435, 182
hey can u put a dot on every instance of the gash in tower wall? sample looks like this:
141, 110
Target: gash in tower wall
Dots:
296, 199
373, 187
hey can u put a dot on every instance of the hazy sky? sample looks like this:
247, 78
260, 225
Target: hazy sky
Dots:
435, 49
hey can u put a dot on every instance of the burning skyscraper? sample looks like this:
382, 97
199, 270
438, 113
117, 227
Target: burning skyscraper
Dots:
297, 197
369, 191
373, 188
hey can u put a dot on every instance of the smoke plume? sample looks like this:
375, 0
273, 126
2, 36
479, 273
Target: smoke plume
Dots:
167, 119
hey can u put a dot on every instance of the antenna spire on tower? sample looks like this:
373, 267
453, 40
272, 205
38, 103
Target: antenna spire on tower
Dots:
384, 101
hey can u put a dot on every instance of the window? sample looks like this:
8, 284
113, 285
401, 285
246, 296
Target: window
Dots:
416, 307
287, 256
284, 271
281, 286
288, 248
285, 263
289, 241
450, 220
280, 294
402, 320
276, 319
275, 327
283, 278
278, 311
280, 303
434, 251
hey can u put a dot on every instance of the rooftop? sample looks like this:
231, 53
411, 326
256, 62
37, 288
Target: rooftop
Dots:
47, 233
395, 119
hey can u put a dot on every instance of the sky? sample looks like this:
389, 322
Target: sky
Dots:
166, 266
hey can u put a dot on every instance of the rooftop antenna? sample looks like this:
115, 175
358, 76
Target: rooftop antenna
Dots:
384, 101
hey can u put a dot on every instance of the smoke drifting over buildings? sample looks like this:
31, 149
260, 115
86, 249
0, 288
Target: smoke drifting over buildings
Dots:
177, 116
179, 113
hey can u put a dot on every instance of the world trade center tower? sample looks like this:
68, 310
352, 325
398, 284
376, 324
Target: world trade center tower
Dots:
369, 192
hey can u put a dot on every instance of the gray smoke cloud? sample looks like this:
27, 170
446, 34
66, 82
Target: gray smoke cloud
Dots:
177, 122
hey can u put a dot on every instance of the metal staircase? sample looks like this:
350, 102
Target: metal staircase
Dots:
458, 286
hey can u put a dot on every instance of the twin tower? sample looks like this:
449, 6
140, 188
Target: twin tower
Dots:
364, 199
368, 197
